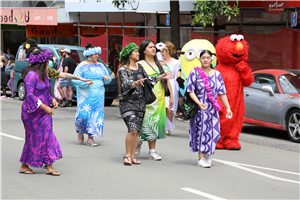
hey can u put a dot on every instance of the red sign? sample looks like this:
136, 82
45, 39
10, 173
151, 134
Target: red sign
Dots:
32, 16
69, 30
275, 7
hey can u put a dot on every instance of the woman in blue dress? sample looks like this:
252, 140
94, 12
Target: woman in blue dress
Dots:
90, 96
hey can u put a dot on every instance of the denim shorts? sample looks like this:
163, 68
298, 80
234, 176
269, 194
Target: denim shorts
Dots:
65, 83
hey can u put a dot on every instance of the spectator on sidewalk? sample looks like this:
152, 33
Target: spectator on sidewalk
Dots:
69, 66
11, 66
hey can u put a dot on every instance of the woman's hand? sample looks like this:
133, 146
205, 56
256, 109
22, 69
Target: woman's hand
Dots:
54, 103
171, 102
48, 110
202, 106
105, 77
85, 80
228, 113
140, 81
90, 82
167, 75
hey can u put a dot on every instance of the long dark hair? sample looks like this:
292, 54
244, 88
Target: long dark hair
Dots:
42, 67
33, 45
126, 63
206, 51
143, 46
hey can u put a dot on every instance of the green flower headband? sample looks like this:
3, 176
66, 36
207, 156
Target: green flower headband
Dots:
127, 50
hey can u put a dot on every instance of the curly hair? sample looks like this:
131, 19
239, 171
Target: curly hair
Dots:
171, 48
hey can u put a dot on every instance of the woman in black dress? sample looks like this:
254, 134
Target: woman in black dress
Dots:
132, 102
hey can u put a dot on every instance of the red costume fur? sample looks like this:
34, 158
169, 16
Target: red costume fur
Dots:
232, 58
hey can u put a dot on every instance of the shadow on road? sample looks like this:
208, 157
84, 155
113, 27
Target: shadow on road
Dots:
265, 132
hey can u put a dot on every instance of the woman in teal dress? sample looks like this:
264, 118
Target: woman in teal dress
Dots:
89, 117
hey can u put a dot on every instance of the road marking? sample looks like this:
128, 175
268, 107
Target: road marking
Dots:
11, 136
203, 194
238, 165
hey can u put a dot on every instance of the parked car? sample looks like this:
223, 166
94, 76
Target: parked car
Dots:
111, 89
273, 100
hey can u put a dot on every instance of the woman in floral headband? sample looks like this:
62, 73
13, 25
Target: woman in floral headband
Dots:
41, 146
132, 100
89, 118
205, 126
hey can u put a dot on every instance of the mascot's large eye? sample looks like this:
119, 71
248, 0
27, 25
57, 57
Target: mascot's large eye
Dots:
240, 37
233, 37
190, 54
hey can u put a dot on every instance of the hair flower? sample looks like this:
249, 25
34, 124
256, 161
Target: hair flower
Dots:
92, 51
40, 58
27, 46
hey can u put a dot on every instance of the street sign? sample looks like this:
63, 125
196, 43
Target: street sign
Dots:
294, 19
168, 20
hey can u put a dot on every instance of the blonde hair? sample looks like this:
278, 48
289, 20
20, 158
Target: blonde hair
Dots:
59, 50
171, 48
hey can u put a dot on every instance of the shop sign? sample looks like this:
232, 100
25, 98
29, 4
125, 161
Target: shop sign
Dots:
34, 16
69, 30
294, 19
275, 7
126, 6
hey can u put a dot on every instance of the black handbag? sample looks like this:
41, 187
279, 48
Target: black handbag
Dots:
149, 94
188, 107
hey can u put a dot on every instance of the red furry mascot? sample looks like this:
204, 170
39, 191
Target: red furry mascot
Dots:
232, 55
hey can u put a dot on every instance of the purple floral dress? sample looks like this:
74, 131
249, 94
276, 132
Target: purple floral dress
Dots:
205, 126
41, 146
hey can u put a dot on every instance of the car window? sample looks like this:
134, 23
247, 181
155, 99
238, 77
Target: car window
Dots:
264, 79
77, 55
289, 83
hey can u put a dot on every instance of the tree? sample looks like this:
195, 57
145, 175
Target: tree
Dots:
206, 13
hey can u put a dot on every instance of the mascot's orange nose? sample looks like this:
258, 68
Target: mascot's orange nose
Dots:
239, 46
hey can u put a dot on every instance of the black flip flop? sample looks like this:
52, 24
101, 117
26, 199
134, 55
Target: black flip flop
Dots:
135, 163
23, 172
126, 164
51, 173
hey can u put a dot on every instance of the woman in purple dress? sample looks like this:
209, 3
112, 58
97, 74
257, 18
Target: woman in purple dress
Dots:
41, 146
205, 126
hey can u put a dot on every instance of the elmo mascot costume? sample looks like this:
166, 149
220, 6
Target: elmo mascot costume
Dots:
232, 54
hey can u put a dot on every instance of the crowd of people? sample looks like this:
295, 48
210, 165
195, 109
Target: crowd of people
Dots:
149, 122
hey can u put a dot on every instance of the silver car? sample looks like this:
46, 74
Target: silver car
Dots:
273, 100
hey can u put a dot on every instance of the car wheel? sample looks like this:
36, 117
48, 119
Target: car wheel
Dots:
21, 91
108, 102
293, 125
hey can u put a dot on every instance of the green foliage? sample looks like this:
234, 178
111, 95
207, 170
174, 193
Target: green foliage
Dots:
119, 2
208, 11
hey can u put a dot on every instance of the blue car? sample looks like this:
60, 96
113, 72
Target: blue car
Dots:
111, 89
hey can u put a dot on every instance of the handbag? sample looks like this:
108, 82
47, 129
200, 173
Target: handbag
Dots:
188, 107
167, 91
149, 94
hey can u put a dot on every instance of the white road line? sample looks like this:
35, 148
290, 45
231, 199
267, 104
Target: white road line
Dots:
11, 136
238, 165
203, 194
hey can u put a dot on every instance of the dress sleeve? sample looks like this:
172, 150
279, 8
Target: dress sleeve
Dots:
32, 103
153, 79
52, 73
79, 72
191, 82
220, 84
107, 74
126, 83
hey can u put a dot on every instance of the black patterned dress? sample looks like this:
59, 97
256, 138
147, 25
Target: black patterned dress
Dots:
132, 102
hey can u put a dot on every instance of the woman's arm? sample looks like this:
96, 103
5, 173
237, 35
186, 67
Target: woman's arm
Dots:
196, 100
226, 104
77, 78
10, 66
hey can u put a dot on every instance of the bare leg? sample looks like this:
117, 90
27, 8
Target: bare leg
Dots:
152, 144
201, 155
61, 92
70, 93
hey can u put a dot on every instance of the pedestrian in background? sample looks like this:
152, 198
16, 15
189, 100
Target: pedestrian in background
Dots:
154, 123
89, 118
174, 66
11, 66
4, 78
41, 146
205, 126
60, 68
69, 66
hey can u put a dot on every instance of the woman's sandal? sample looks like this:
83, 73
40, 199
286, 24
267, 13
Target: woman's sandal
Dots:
137, 161
53, 173
127, 158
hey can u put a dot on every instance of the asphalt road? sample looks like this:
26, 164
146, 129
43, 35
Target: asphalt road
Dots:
267, 166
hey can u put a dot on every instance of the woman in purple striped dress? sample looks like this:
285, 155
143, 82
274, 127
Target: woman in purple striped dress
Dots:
41, 146
205, 126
